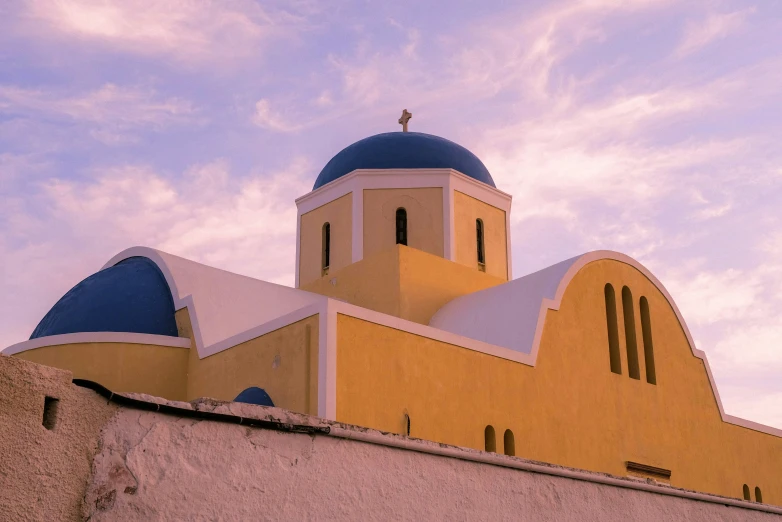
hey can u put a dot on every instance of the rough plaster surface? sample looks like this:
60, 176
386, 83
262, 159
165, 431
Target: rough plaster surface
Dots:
101, 462
44, 473
153, 466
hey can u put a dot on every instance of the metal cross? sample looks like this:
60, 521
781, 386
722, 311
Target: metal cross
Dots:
404, 119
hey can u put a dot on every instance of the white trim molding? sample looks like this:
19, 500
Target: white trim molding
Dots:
98, 337
548, 287
544, 291
360, 180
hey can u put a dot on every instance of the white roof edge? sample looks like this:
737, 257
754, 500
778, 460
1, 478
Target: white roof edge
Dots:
163, 260
320, 305
390, 172
553, 303
97, 337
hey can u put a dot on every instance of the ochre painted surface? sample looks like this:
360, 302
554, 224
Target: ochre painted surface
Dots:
143, 368
424, 208
428, 282
338, 214
403, 282
569, 409
466, 210
371, 283
283, 362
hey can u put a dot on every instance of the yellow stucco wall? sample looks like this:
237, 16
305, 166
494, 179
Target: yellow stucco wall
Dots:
120, 367
569, 409
283, 362
428, 282
424, 219
372, 283
466, 210
338, 214
403, 282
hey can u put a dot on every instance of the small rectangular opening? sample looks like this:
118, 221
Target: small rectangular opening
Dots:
50, 412
644, 470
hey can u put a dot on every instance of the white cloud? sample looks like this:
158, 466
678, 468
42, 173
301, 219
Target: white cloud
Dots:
709, 297
64, 230
750, 346
268, 118
751, 403
716, 26
188, 30
112, 104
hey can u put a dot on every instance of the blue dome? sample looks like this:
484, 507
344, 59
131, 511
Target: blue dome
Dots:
254, 395
131, 296
404, 150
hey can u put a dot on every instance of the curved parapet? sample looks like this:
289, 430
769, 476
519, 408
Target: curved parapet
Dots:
131, 296
224, 307
513, 315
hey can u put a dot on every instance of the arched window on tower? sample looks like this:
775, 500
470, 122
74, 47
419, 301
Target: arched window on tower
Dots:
509, 443
401, 226
489, 439
758, 495
631, 342
746, 492
326, 249
479, 233
613, 330
646, 331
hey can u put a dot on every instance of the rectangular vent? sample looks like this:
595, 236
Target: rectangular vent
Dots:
50, 412
645, 469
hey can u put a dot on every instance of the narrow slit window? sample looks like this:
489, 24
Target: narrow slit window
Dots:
490, 441
407, 424
481, 246
630, 338
326, 255
50, 412
613, 330
401, 226
509, 443
758, 495
646, 331
746, 492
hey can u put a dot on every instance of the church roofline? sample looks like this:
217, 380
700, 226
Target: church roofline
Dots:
181, 273
552, 282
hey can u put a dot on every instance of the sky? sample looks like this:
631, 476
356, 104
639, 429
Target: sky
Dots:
649, 127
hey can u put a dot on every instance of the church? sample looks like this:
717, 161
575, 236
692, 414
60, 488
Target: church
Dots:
406, 318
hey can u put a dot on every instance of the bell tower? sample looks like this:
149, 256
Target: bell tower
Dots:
402, 222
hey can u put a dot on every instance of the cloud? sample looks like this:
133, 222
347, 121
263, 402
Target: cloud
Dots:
751, 403
709, 297
188, 30
111, 111
267, 118
108, 104
716, 26
63, 229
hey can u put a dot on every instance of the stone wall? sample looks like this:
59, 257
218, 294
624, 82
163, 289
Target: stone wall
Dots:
154, 466
45, 470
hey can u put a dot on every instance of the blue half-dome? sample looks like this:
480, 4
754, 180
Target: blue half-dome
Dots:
404, 150
254, 395
131, 296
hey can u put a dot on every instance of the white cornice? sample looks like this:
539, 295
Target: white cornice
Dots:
98, 337
368, 179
